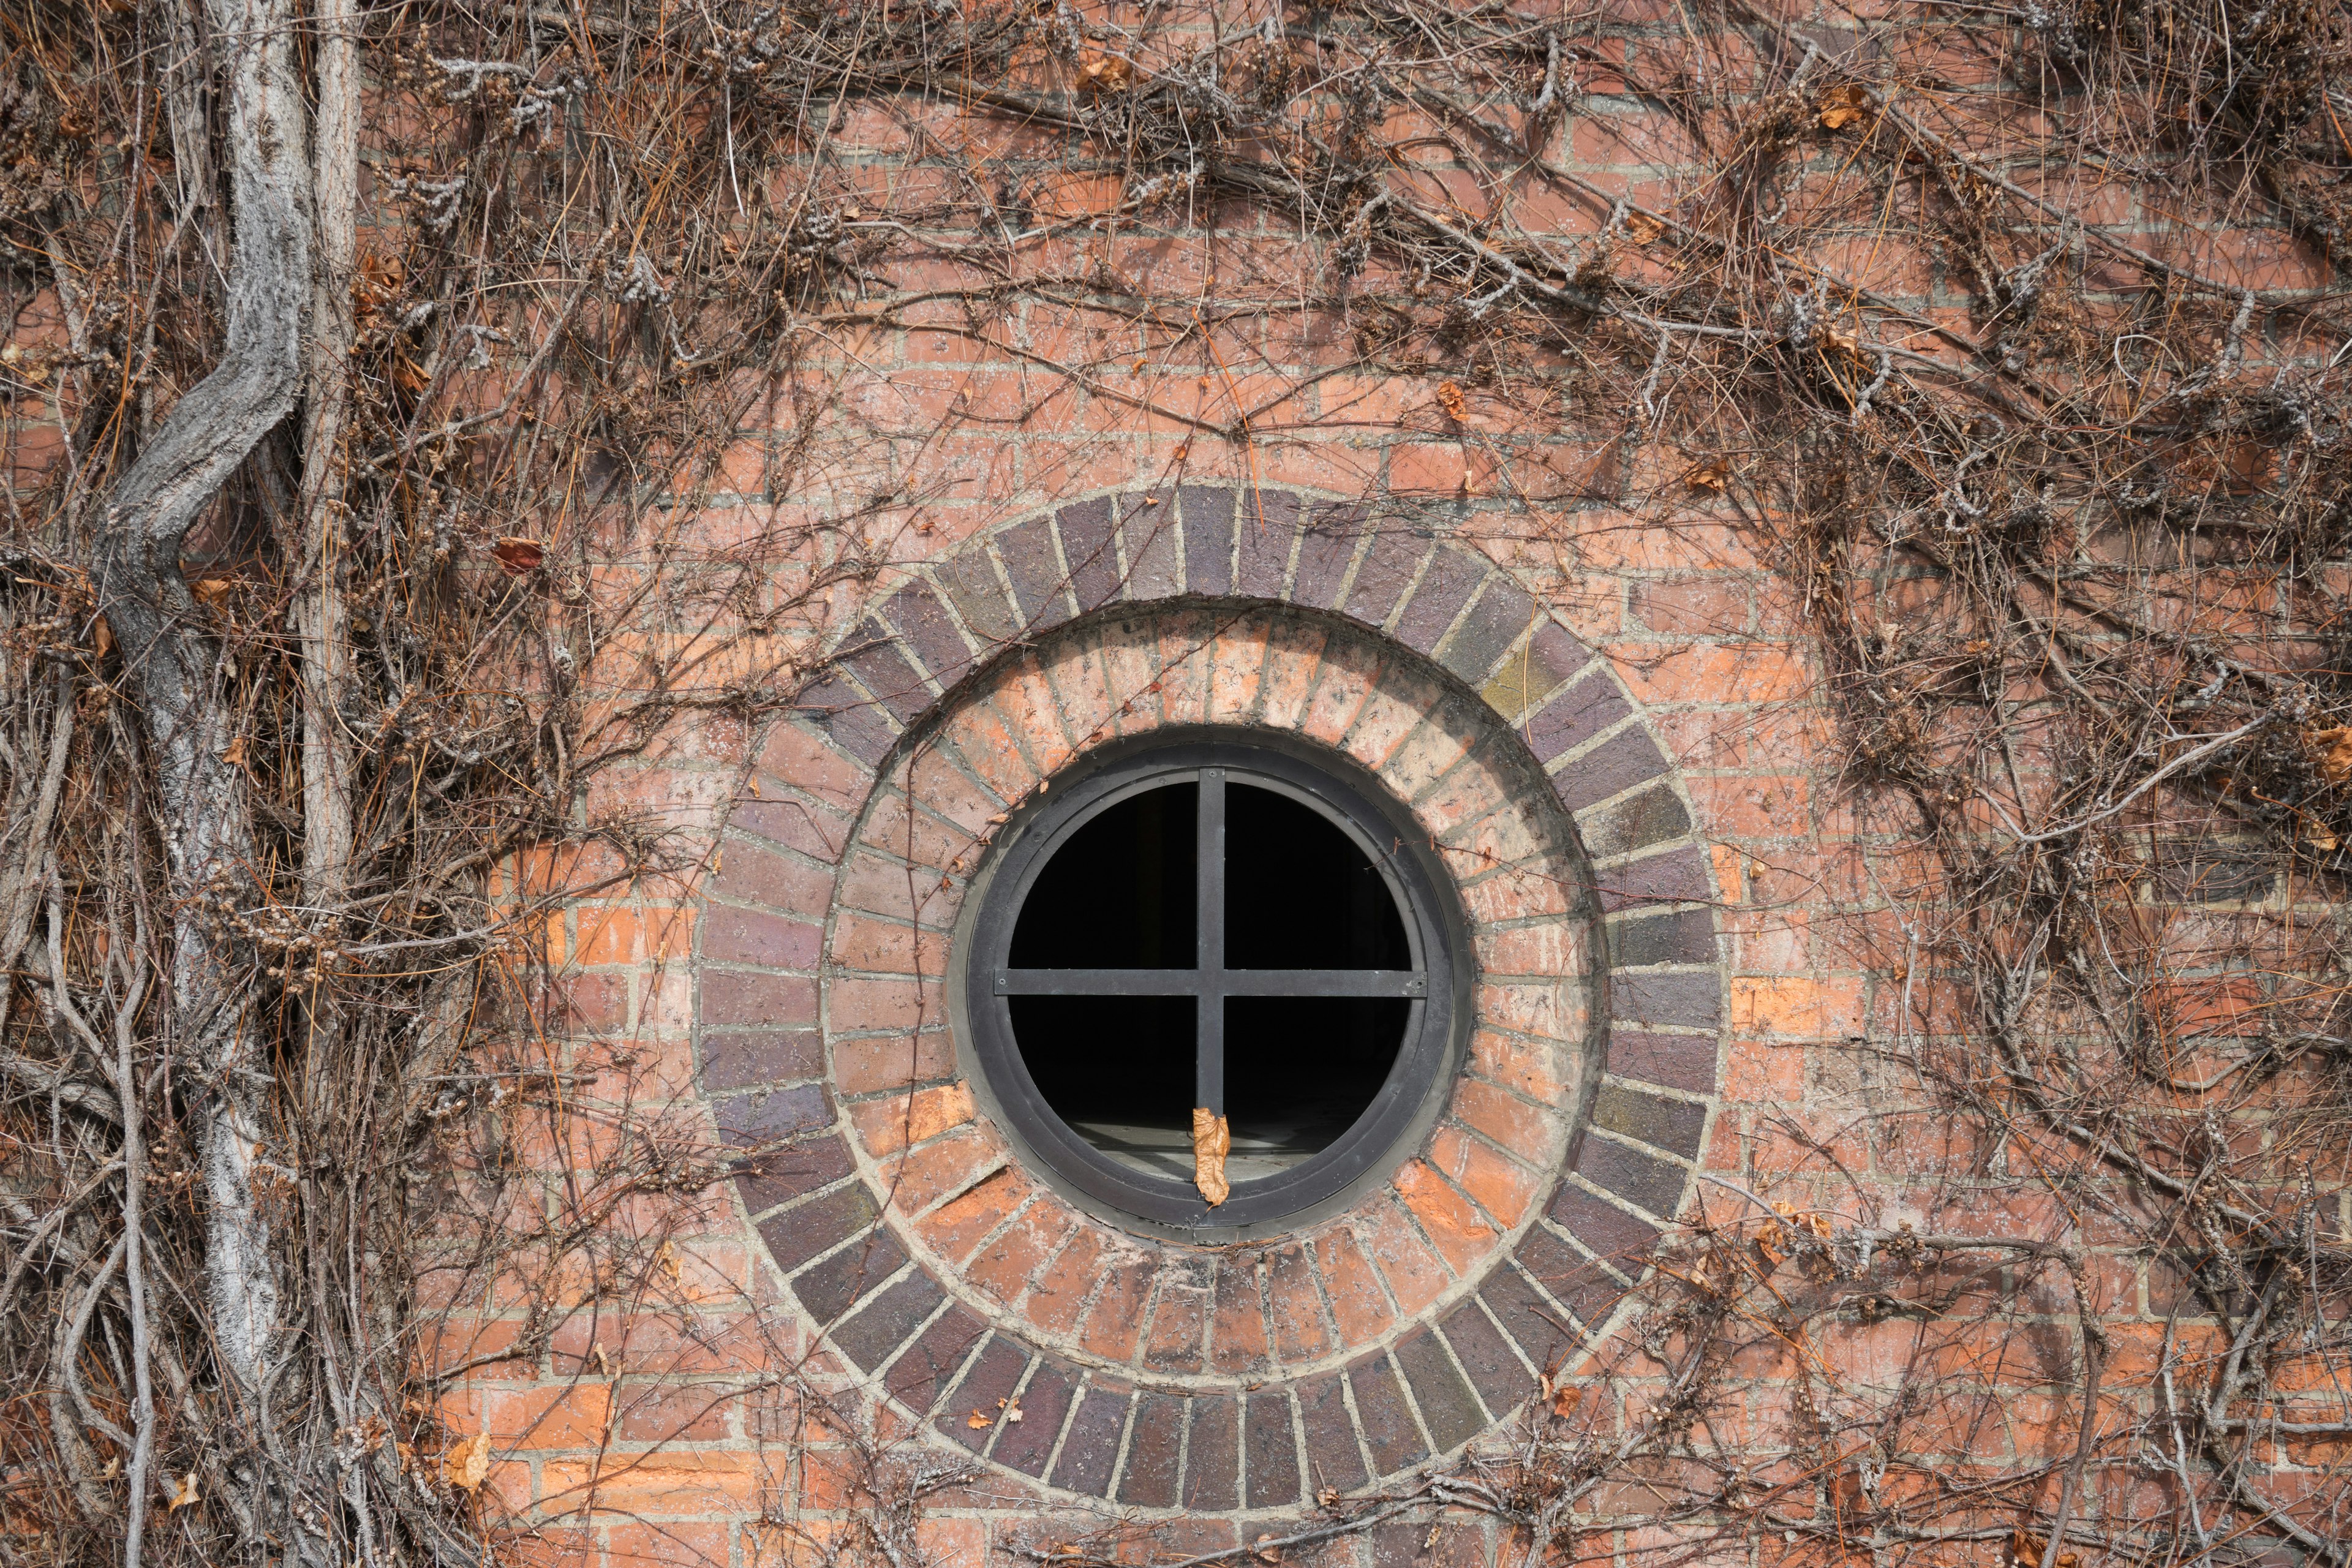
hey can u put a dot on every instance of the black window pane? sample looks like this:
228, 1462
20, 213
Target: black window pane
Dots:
1119, 893
1300, 894
1117, 1070
1299, 1070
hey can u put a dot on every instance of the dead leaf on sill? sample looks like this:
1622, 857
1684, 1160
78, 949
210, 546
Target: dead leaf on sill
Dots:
183, 1494
1212, 1141
465, 1466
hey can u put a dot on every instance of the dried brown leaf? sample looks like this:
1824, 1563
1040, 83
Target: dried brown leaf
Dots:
520, 555
184, 1492
1841, 105
1100, 73
465, 1466
1212, 1141
1642, 228
1449, 397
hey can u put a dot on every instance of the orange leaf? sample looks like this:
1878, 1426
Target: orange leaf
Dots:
1104, 73
465, 1466
183, 1494
1841, 105
978, 1422
1642, 228
1449, 397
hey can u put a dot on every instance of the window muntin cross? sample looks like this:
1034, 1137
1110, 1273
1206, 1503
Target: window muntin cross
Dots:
1208, 982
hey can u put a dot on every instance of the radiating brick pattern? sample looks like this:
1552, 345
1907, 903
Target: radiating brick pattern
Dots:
1250, 1377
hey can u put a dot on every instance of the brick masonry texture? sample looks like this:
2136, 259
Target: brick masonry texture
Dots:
1155, 1375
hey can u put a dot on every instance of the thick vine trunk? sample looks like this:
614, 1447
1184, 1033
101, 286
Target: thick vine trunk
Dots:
202, 812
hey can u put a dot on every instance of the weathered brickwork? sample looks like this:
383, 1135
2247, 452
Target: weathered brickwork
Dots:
939, 1268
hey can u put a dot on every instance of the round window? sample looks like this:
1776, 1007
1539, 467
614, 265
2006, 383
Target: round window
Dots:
1210, 984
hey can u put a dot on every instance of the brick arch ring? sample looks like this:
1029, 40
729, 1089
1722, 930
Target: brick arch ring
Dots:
1156, 1374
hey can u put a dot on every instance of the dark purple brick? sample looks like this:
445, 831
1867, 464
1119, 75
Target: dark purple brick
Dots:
1675, 1125
1495, 1370
970, 578
1149, 526
750, 1121
799, 1234
1605, 1232
1091, 1448
917, 1378
1551, 658
732, 935
779, 1176
1267, 522
1500, 617
1208, 540
1588, 1292
1677, 876
1574, 714
759, 1055
1685, 936
738, 998
1152, 1451
1389, 1431
1333, 1458
1025, 1445
872, 654
1448, 1407
1536, 1325
1389, 565
924, 623
1627, 758
1325, 549
1635, 823
1654, 1184
1087, 530
884, 1324
1453, 574
828, 1289
1027, 551
1673, 1061
1212, 1458
1689, 1001
1270, 1459
849, 718
990, 1378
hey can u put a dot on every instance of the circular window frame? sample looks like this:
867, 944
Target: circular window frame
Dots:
1402, 1110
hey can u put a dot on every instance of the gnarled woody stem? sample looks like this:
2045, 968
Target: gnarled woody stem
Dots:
203, 813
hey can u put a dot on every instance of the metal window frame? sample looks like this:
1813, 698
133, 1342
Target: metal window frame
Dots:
1437, 986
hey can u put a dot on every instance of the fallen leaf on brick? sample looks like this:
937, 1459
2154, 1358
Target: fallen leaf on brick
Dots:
978, 1422
1449, 397
465, 1466
1710, 475
1266, 1549
1012, 1408
1642, 228
520, 555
